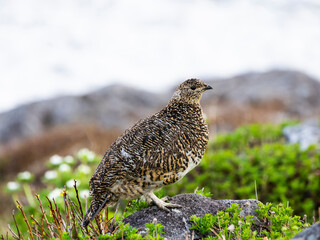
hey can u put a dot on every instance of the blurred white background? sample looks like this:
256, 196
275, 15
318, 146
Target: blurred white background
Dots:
54, 47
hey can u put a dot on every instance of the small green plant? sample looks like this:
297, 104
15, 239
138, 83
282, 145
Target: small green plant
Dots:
139, 204
281, 224
154, 230
203, 192
276, 222
134, 206
203, 224
225, 224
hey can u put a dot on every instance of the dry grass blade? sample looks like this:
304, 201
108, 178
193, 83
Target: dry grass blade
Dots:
15, 222
115, 229
25, 219
37, 233
54, 217
93, 228
66, 211
106, 220
60, 219
15, 236
40, 226
76, 215
98, 218
44, 215
115, 214
64, 219
75, 209
77, 196
73, 227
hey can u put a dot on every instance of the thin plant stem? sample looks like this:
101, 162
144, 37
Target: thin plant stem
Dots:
25, 219
13, 233
15, 222
255, 188
77, 196
115, 213
41, 227
54, 217
28, 193
45, 217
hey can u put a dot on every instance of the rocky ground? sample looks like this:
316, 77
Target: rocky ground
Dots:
176, 223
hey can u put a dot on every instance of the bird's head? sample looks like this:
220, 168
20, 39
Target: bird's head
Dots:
190, 91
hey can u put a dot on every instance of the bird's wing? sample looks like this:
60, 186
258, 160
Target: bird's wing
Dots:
142, 146
106, 175
151, 142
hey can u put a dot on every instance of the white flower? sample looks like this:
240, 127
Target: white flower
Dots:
55, 193
69, 160
25, 176
50, 175
231, 228
83, 152
84, 193
86, 155
84, 169
55, 160
64, 168
13, 186
70, 183
90, 156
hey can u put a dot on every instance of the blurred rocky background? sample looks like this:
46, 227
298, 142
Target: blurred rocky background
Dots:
33, 132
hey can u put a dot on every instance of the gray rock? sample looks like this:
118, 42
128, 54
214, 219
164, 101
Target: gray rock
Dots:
115, 106
176, 222
298, 92
311, 233
306, 134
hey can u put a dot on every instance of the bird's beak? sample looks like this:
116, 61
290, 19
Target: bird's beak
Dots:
208, 87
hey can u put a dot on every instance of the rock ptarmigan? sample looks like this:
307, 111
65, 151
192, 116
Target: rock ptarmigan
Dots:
157, 151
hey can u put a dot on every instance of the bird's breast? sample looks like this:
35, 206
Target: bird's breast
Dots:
192, 161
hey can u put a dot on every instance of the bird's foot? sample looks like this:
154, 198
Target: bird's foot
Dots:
161, 202
166, 198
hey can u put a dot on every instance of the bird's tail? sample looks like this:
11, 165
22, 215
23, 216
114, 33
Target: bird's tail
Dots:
95, 207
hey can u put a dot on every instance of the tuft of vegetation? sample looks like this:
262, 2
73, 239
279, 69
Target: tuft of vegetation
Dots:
203, 192
60, 177
64, 222
254, 161
275, 222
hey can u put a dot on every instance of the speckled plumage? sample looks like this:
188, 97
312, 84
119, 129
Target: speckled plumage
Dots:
156, 151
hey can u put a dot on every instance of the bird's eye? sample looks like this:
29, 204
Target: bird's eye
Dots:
193, 87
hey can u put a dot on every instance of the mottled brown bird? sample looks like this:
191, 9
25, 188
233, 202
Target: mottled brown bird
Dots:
155, 152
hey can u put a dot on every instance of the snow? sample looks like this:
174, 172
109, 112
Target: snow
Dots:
49, 48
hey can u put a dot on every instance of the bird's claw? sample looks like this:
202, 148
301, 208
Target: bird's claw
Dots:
165, 206
161, 202
166, 198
